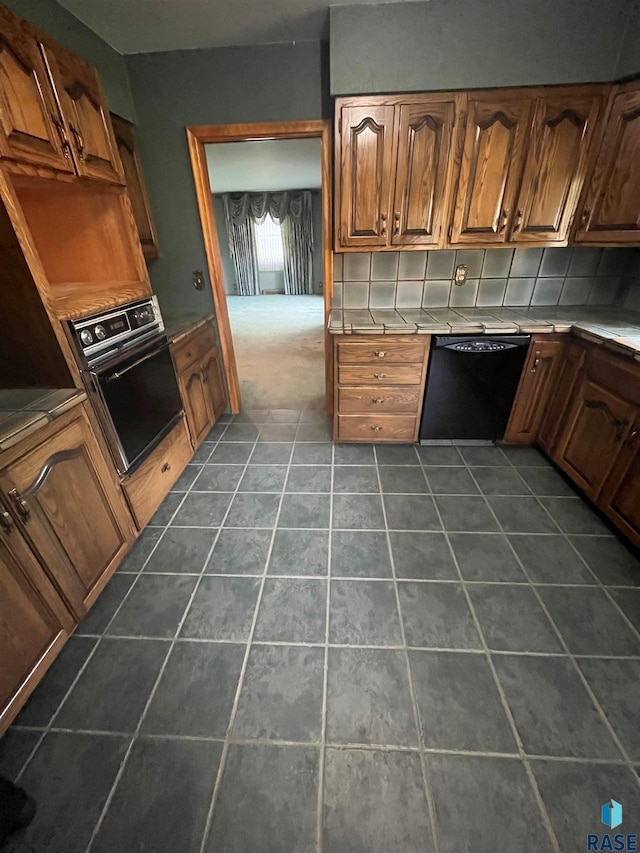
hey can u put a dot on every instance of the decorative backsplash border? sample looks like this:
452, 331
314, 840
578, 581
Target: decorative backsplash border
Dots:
496, 277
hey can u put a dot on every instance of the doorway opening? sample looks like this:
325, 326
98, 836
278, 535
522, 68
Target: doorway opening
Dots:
265, 208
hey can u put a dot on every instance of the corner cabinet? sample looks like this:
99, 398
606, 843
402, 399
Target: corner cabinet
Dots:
200, 378
395, 163
64, 500
609, 212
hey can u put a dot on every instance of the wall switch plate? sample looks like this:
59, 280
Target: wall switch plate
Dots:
461, 273
198, 279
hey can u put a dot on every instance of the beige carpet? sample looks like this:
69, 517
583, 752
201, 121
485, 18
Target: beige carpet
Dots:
279, 345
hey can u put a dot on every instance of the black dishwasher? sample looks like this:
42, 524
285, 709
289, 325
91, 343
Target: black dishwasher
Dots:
471, 383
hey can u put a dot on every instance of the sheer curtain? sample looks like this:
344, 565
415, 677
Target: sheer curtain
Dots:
292, 209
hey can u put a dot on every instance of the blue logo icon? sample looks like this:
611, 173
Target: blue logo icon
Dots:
612, 814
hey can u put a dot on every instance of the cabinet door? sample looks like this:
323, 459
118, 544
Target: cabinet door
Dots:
365, 177
597, 424
532, 398
34, 624
213, 377
125, 140
70, 510
85, 112
556, 162
494, 142
610, 208
31, 129
195, 397
620, 498
563, 390
424, 146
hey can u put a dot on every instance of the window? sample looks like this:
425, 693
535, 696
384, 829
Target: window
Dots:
269, 245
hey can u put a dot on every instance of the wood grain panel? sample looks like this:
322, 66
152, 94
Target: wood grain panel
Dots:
381, 350
610, 209
620, 497
424, 159
387, 374
556, 163
366, 158
535, 388
495, 137
394, 399
152, 481
31, 127
385, 428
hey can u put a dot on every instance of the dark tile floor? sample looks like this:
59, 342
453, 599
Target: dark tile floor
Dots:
346, 649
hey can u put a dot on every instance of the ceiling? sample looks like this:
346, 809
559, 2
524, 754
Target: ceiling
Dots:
143, 26
264, 165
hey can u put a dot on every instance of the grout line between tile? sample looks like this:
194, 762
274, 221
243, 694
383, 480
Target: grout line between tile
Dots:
243, 670
428, 792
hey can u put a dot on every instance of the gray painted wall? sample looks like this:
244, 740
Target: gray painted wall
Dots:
75, 36
629, 59
175, 89
457, 44
227, 263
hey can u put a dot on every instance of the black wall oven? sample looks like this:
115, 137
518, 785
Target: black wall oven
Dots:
129, 374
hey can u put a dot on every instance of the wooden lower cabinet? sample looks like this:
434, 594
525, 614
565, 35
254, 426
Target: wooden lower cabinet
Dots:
200, 378
565, 383
65, 500
379, 387
536, 386
148, 486
620, 495
34, 621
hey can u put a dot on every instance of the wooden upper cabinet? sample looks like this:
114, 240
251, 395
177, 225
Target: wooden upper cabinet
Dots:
609, 211
556, 162
126, 143
85, 113
366, 143
494, 143
31, 128
69, 507
424, 132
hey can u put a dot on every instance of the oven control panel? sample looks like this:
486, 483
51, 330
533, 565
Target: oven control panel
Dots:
117, 328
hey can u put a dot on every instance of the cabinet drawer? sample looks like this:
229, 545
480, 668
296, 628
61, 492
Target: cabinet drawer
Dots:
380, 352
380, 374
395, 399
194, 346
149, 485
372, 428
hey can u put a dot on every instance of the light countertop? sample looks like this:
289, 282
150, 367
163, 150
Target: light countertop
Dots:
22, 411
617, 329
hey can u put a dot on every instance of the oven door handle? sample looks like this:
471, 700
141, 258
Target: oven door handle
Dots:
136, 363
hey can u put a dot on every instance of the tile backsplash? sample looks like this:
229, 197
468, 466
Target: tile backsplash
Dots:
514, 277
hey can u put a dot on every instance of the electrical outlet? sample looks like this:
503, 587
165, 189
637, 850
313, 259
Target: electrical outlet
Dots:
198, 279
462, 271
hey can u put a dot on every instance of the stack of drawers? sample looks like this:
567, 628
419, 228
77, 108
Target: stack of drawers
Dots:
379, 386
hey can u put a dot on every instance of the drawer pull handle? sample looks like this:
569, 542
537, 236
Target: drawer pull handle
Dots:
380, 375
377, 400
6, 520
376, 428
380, 353
21, 504
166, 467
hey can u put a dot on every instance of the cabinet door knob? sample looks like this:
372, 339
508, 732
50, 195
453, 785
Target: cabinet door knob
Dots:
21, 504
375, 428
166, 467
396, 226
505, 219
6, 520
518, 220
78, 140
380, 375
64, 142
584, 219
536, 363
377, 400
380, 353
383, 227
